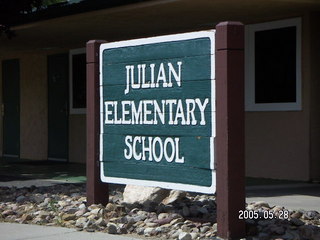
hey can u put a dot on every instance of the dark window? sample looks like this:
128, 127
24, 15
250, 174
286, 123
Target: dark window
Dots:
79, 81
275, 65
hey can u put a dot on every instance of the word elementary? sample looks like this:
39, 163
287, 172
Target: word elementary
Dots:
187, 111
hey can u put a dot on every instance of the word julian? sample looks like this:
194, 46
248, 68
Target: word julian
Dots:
153, 83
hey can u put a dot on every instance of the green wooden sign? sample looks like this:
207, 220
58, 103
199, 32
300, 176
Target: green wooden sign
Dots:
157, 102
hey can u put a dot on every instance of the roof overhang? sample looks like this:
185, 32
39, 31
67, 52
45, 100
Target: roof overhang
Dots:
148, 18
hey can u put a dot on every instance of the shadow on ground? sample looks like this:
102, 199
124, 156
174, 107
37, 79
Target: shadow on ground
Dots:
29, 170
20, 170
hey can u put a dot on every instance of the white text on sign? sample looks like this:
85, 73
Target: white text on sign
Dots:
189, 111
162, 76
149, 145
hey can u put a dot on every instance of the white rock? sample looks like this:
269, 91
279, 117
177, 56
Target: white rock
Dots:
260, 204
215, 227
100, 222
177, 220
174, 196
80, 212
47, 201
204, 229
138, 194
148, 231
151, 224
82, 206
194, 235
96, 211
184, 236
81, 222
88, 224
163, 215
42, 214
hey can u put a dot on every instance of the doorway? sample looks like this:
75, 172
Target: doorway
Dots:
11, 108
58, 107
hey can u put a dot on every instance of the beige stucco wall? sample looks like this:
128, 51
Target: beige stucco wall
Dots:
33, 103
34, 113
278, 143
34, 110
33, 107
77, 138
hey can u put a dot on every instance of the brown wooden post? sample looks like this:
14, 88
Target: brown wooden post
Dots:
230, 129
97, 192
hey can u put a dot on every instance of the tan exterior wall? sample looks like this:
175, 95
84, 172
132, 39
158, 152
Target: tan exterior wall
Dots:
33, 104
77, 138
34, 111
33, 107
277, 143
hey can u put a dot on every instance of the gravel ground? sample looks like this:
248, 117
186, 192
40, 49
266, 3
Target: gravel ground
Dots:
189, 217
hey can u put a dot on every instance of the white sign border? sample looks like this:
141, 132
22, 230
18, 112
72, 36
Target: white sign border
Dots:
160, 39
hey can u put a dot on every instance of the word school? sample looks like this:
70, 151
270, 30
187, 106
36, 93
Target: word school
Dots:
169, 149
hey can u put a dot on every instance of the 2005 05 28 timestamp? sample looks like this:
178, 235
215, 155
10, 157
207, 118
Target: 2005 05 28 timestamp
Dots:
251, 214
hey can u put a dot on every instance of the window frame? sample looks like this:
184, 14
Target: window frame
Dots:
73, 110
250, 104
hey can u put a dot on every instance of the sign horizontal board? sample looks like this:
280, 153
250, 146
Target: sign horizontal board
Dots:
157, 104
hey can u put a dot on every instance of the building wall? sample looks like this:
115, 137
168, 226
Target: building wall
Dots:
1, 117
315, 96
77, 138
34, 111
277, 143
33, 104
33, 107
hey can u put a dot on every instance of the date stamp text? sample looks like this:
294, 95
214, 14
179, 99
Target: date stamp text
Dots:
263, 215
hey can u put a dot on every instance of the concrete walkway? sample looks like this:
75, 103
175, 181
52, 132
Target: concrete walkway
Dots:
15, 231
305, 196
